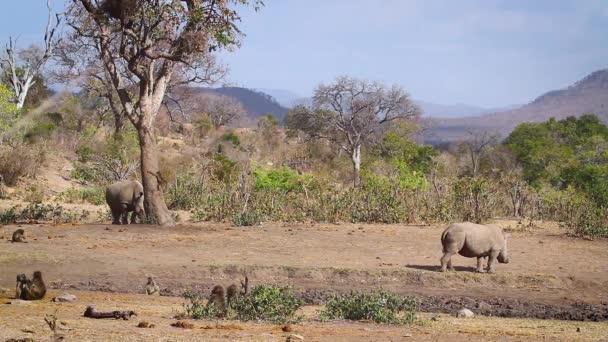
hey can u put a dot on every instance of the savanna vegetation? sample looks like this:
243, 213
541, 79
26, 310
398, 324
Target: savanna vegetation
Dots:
351, 155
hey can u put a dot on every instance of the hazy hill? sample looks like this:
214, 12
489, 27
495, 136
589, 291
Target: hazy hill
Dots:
435, 110
589, 95
255, 102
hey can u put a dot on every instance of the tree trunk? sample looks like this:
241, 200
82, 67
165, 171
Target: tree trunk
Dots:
356, 159
153, 196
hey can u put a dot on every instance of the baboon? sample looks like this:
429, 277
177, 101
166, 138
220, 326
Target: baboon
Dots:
122, 10
22, 283
231, 291
151, 288
18, 236
35, 288
218, 299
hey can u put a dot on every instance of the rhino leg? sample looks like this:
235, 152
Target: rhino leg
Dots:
492, 260
115, 216
446, 262
125, 217
480, 264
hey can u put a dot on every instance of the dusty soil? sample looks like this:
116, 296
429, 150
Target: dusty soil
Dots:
550, 274
27, 320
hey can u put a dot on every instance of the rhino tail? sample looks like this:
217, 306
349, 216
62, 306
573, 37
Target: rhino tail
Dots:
445, 232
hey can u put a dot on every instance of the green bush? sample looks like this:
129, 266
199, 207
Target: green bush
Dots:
198, 308
9, 216
41, 130
43, 212
246, 219
95, 195
283, 179
379, 306
231, 137
266, 303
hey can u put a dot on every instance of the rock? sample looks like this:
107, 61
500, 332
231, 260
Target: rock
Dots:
294, 338
578, 329
483, 306
19, 302
70, 298
287, 328
465, 313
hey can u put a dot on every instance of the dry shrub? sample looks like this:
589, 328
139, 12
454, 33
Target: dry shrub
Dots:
20, 161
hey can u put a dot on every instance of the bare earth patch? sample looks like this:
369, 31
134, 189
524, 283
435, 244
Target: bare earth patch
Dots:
550, 276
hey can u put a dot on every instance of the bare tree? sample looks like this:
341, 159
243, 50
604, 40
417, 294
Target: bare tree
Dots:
143, 46
22, 67
351, 113
476, 146
220, 109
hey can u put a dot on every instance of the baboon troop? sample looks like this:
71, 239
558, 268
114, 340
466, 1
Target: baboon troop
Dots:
151, 288
33, 289
18, 236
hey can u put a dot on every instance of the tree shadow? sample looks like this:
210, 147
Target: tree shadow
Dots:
437, 268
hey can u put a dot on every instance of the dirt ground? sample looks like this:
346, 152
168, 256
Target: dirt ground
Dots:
550, 275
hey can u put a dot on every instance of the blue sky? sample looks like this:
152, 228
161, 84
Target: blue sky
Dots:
481, 52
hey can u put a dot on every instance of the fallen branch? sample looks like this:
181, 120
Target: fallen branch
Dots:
91, 313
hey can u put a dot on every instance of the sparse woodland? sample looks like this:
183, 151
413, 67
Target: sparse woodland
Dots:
352, 155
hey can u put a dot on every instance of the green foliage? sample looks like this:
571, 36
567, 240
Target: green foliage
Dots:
263, 303
231, 137
246, 219
202, 126
379, 306
402, 151
566, 152
9, 113
268, 123
109, 161
198, 308
282, 179
9, 216
94, 195
267, 303
40, 131
42, 212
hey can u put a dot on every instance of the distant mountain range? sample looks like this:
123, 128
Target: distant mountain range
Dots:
589, 95
449, 123
435, 110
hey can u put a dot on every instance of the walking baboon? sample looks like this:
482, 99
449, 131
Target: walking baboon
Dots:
18, 236
218, 299
35, 288
22, 282
151, 288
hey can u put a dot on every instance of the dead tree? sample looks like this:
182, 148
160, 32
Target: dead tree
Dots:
22, 67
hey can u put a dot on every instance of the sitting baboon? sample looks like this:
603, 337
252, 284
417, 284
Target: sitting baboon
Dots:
218, 299
22, 282
34, 289
151, 288
18, 236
